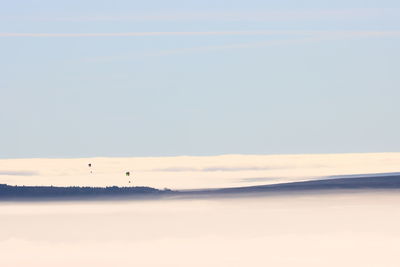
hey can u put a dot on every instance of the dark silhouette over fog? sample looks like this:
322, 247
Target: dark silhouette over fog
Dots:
49, 192
52, 192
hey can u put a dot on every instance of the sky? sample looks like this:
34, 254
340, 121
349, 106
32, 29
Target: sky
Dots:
168, 78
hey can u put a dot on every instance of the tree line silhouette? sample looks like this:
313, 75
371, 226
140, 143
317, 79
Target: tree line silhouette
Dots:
9, 192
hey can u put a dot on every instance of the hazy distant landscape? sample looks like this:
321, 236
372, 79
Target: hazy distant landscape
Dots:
254, 218
188, 133
371, 182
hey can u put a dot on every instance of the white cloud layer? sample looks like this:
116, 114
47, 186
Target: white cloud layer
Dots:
193, 172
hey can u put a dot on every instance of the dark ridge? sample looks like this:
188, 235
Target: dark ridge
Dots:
8, 192
359, 183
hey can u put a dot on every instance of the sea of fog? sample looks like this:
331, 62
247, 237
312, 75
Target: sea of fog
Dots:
335, 228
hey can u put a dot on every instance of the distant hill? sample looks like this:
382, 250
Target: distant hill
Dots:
52, 192
348, 183
377, 182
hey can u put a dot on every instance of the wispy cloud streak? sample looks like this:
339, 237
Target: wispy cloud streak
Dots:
18, 173
271, 15
149, 34
220, 169
210, 33
321, 36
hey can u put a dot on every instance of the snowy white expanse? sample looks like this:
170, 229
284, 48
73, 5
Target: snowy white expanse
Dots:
301, 229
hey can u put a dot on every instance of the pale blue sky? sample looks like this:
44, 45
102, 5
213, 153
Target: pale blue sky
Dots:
157, 78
